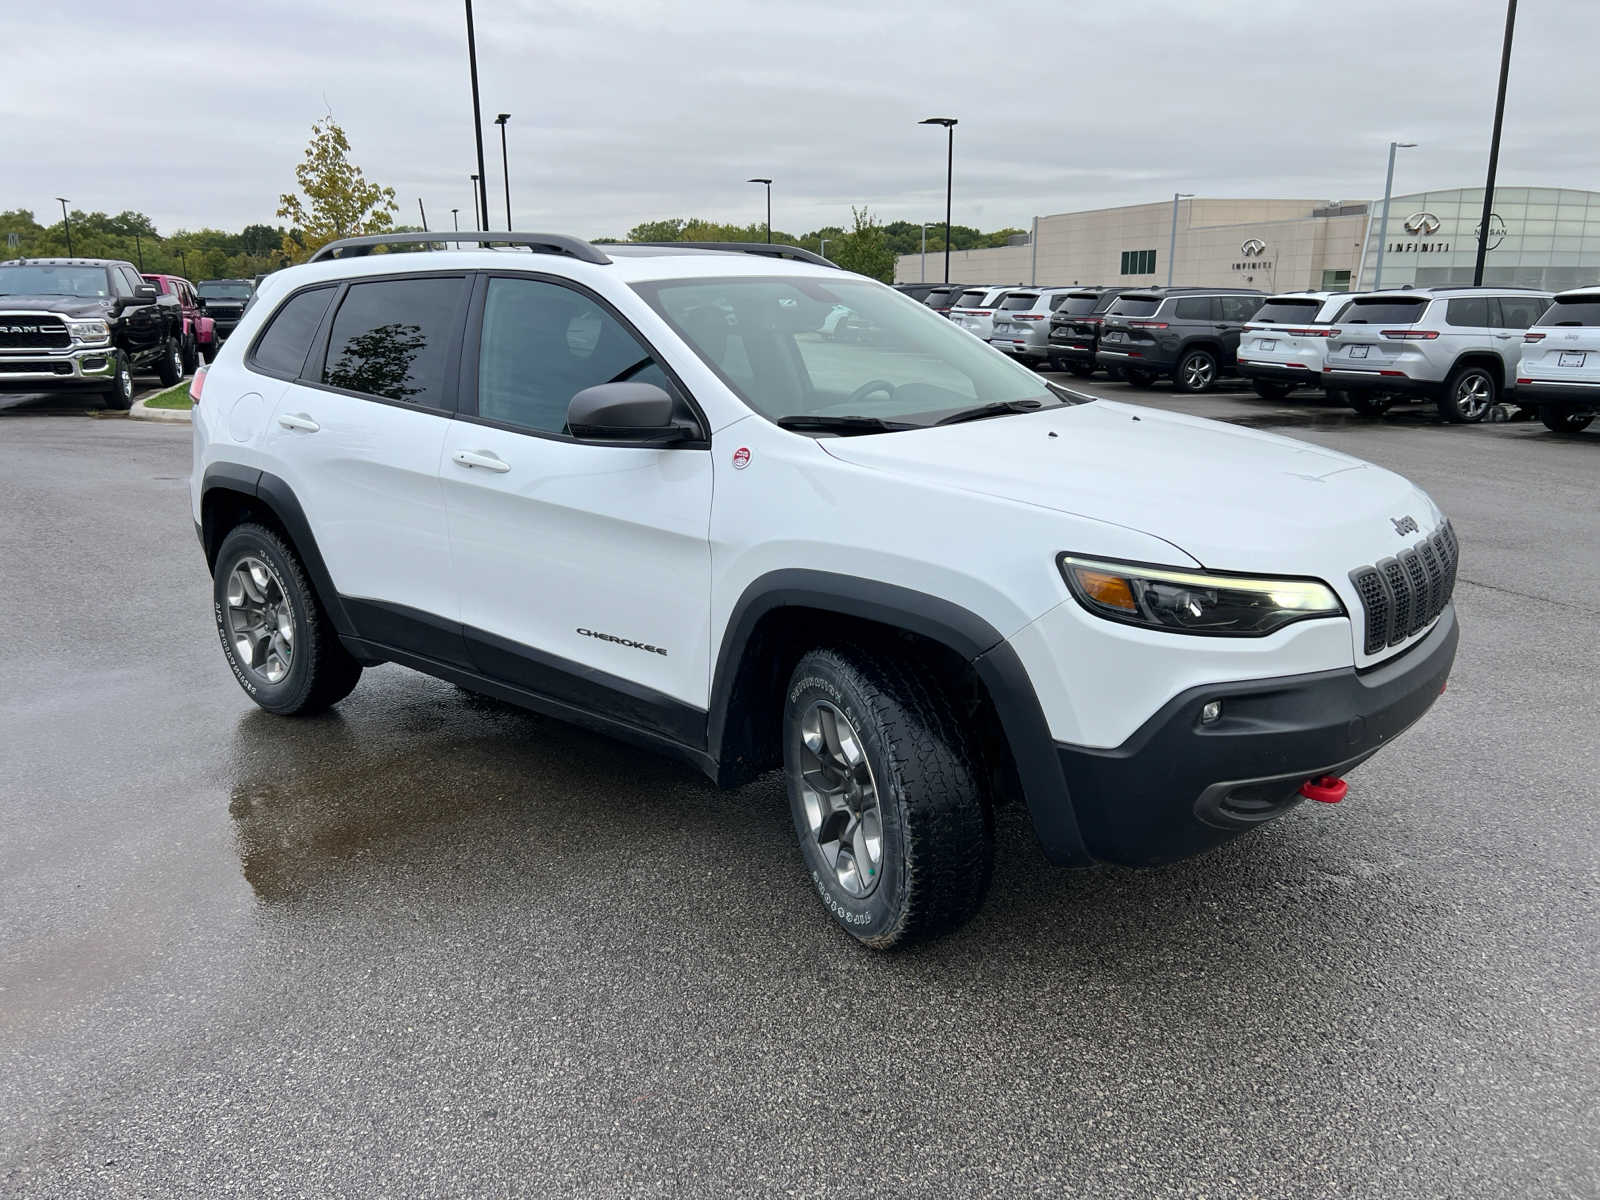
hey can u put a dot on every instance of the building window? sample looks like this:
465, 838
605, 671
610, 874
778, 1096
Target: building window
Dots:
1138, 262
1336, 281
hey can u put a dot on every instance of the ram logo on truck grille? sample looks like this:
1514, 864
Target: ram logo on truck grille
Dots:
22, 329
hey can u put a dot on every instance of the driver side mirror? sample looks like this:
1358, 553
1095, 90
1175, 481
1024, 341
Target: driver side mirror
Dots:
639, 414
145, 293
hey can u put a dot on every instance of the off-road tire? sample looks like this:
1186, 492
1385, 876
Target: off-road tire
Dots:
321, 672
119, 396
209, 350
1564, 420
1370, 404
191, 356
1272, 391
937, 828
1454, 405
170, 366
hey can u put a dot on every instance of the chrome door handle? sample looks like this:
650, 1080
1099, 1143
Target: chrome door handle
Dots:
481, 458
298, 421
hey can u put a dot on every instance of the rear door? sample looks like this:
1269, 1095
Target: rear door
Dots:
357, 435
583, 571
1513, 316
1234, 311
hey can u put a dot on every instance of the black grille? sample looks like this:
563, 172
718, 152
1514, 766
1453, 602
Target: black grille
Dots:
1403, 595
35, 368
22, 332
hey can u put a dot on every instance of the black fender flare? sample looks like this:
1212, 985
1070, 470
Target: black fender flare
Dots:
277, 497
998, 667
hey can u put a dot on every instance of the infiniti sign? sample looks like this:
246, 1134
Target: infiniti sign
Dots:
1421, 223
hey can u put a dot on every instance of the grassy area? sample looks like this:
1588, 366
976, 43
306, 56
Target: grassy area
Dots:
174, 397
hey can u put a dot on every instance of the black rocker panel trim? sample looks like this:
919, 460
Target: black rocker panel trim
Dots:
974, 639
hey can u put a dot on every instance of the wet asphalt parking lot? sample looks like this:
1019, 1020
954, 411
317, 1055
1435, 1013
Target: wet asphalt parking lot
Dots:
428, 944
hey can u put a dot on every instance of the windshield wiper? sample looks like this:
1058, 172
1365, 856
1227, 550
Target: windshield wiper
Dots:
991, 410
804, 423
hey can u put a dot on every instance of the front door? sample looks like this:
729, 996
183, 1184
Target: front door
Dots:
583, 571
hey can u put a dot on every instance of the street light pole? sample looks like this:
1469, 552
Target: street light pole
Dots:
455, 219
481, 178
138, 249
768, 182
67, 221
1172, 238
949, 124
1494, 144
505, 164
477, 213
823, 243
925, 225
424, 214
1383, 222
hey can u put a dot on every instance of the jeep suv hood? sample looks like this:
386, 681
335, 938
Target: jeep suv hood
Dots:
1233, 499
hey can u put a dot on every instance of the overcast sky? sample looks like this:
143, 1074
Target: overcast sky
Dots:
625, 110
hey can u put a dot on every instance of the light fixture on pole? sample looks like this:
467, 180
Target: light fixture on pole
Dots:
949, 124
1494, 144
67, 221
481, 179
1172, 238
505, 164
1383, 222
768, 182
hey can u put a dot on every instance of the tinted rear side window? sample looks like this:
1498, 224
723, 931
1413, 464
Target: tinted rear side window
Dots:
391, 338
1299, 312
1381, 311
1195, 308
1470, 312
1019, 301
1520, 312
1580, 310
1058, 301
282, 349
1240, 308
1135, 306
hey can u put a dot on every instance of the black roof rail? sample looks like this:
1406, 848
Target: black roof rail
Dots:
539, 243
766, 249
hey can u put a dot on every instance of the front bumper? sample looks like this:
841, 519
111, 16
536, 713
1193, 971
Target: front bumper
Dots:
85, 367
1177, 788
1271, 372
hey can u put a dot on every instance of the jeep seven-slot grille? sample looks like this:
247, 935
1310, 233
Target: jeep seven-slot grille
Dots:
1402, 595
24, 331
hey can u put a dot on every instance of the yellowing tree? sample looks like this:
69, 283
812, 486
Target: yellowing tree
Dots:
339, 202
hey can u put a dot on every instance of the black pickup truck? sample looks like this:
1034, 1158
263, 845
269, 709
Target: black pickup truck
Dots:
84, 324
224, 301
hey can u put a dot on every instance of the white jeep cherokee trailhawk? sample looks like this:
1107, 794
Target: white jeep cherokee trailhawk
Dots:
635, 487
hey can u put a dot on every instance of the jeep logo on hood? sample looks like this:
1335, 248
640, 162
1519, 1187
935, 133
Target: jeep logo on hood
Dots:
1404, 525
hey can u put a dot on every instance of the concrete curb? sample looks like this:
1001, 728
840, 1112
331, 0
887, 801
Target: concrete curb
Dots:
139, 412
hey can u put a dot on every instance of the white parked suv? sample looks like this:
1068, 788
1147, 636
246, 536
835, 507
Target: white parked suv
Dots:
1559, 373
1457, 346
1281, 347
975, 310
635, 488
1022, 322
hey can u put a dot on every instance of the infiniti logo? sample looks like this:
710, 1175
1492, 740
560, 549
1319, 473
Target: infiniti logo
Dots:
1252, 247
1422, 223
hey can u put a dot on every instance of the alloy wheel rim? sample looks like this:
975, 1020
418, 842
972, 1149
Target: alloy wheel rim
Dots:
1472, 395
840, 798
260, 620
1198, 372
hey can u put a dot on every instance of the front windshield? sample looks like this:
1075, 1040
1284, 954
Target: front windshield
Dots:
43, 279
780, 344
224, 291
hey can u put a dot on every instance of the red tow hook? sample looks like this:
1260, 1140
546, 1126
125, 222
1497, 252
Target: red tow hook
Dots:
1330, 789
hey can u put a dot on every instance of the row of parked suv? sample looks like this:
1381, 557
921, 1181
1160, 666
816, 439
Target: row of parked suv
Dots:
91, 324
1463, 348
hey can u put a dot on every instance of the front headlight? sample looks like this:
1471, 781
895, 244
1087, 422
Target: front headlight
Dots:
1202, 602
88, 331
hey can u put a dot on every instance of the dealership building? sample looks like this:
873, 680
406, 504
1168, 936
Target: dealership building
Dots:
1538, 237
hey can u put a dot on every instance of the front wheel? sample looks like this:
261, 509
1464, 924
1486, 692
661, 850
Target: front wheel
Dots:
1564, 420
170, 368
278, 641
894, 828
1469, 395
1196, 372
119, 396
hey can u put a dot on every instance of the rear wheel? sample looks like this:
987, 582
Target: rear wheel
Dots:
191, 356
1138, 379
278, 641
1469, 395
209, 350
170, 366
1564, 420
119, 395
1081, 369
883, 787
1272, 391
1370, 404
1196, 372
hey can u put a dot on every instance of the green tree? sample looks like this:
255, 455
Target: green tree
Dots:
339, 201
865, 249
